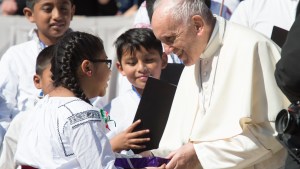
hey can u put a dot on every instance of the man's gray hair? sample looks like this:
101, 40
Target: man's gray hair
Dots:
182, 10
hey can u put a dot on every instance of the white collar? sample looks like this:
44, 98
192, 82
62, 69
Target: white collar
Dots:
216, 38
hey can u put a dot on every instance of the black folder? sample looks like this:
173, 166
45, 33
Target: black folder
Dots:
279, 35
153, 110
172, 73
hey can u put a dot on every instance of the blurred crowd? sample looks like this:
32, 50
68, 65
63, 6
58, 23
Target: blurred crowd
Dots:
86, 8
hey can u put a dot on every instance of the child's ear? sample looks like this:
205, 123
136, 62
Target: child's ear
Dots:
120, 68
164, 59
28, 14
37, 81
86, 68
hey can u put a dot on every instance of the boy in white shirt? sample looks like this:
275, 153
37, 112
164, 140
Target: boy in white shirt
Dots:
42, 80
140, 55
17, 92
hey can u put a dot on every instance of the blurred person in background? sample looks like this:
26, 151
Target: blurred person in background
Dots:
12, 7
287, 74
128, 7
263, 15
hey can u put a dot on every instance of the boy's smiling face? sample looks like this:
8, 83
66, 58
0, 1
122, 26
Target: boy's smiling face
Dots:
52, 18
137, 67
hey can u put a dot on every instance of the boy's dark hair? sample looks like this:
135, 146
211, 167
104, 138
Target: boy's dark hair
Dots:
30, 3
44, 59
135, 38
71, 50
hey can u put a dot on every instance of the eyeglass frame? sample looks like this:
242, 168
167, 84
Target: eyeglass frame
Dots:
108, 62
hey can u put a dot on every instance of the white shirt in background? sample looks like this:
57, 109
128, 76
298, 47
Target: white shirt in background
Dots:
263, 15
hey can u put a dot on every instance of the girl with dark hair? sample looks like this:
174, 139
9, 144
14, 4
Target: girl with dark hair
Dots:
64, 129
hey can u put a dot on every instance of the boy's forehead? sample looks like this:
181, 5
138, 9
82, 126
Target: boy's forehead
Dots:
139, 53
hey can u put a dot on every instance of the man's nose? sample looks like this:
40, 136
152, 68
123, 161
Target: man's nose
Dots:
168, 49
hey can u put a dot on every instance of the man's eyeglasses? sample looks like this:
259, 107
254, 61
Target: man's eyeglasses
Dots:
107, 61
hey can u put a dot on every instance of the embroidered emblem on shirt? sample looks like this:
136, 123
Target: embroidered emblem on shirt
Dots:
106, 118
90, 114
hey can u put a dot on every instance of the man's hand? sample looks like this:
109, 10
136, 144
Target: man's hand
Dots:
183, 158
128, 139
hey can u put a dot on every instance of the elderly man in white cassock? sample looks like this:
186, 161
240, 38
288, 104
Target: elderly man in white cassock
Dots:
227, 99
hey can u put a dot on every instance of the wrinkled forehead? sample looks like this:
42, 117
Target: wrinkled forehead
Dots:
163, 26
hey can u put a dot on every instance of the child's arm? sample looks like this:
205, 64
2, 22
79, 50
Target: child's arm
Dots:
128, 139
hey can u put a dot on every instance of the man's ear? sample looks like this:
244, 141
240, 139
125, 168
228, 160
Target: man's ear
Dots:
198, 22
37, 81
120, 68
164, 59
29, 14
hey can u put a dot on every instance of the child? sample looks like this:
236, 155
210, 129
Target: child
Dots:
42, 80
140, 55
64, 130
17, 92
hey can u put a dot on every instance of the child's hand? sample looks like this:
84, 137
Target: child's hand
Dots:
128, 139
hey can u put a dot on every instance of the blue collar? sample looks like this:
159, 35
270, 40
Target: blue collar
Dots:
137, 93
